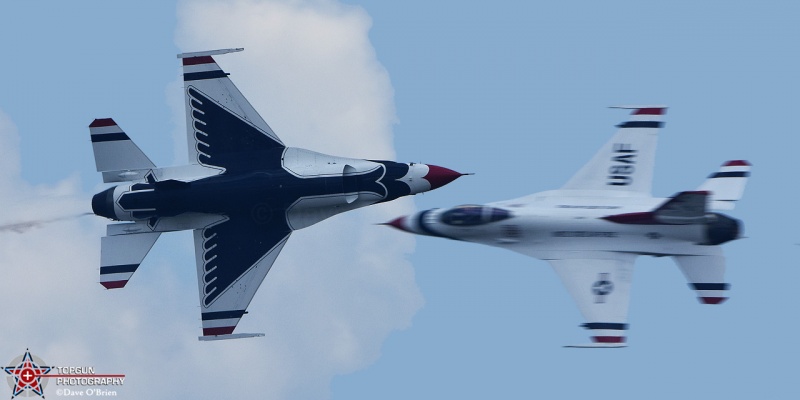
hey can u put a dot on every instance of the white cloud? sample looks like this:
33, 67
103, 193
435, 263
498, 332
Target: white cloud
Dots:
339, 287
308, 67
334, 295
49, 270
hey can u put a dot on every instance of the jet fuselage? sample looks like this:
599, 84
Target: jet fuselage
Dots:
545, 222
305, 189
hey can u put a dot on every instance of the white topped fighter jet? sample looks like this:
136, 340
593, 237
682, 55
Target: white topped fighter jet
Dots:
593, 228
243, 194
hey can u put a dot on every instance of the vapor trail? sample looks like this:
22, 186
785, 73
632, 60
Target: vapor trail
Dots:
24, 226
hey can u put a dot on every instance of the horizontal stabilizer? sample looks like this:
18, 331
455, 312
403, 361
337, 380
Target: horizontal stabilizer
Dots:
120, 256
230, 336
706, 276
115, 154
727, 185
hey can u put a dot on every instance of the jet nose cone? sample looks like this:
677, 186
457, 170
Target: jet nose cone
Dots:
398, 223
440, 176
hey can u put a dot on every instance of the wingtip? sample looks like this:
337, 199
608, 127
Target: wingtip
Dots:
640, 106
645, 110
210, 52
597, 346
209, 338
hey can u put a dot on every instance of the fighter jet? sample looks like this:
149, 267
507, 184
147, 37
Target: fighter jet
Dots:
592, 229
242, 194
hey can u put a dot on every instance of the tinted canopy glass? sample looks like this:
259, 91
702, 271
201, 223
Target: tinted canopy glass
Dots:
470, 215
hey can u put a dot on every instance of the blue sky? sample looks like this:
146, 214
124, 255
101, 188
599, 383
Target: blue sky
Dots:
515, 92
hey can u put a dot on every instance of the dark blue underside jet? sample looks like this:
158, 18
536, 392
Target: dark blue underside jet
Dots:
243, 194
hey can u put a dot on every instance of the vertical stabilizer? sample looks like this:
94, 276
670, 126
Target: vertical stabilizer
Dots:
625, 163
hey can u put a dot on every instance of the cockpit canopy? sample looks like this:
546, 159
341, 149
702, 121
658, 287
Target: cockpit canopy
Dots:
471, 215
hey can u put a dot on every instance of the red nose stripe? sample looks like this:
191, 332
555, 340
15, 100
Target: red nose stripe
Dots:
398, 223
440, 176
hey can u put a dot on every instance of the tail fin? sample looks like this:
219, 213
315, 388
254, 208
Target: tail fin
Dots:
727, 185
115, 154
122, 251
625, 163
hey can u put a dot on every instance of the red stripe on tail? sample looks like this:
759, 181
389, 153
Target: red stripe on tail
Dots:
222, 330
102, 122
114, 284
736, 163
608, 339
650, 111
198, 60
712, 300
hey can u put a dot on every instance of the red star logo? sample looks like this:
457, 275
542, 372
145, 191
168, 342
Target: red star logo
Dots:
27, 375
